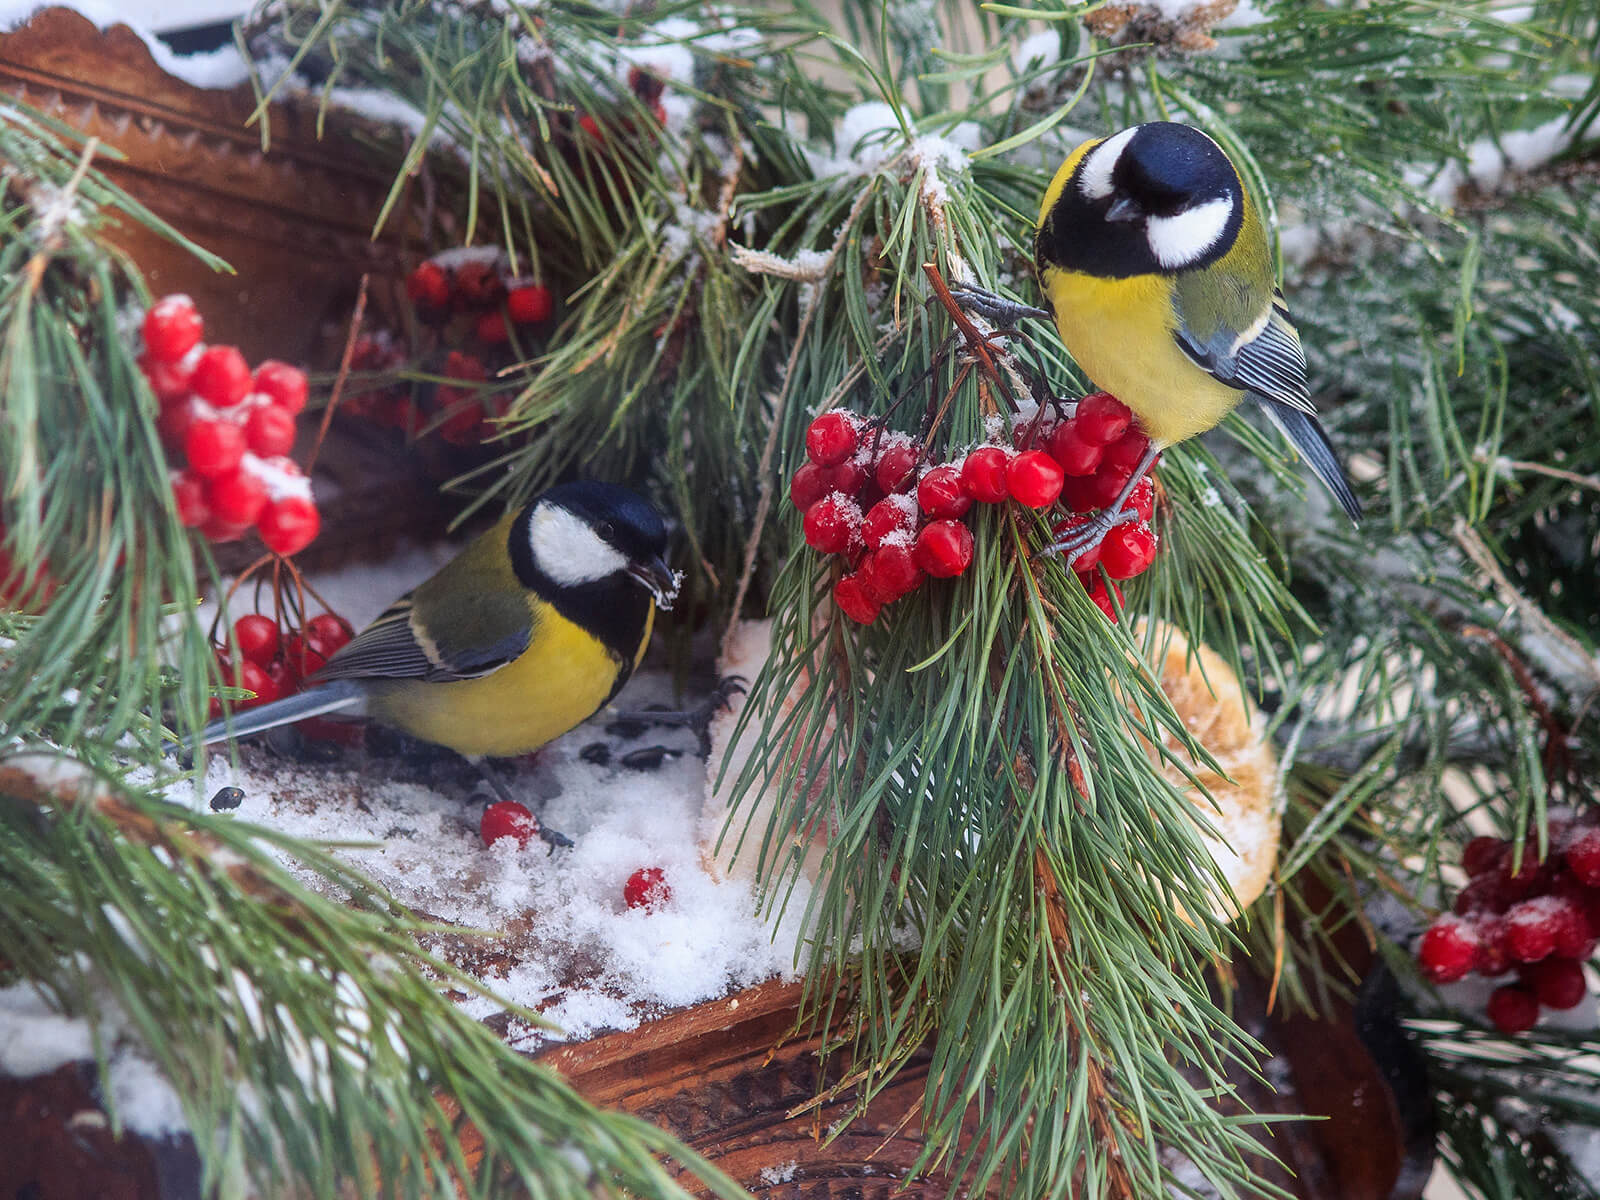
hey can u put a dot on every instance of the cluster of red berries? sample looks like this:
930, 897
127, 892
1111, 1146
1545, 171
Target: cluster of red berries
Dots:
232, 428
473, 283
1541, 920
274, 663
649, 88
868, 495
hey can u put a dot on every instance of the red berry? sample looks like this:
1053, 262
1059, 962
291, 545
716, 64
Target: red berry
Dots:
1100, 593
217, 530
944, 548
269, 431
1557, 982
1089, 559
173, 423
168, 380
1481, 854
983, 475
328, 634
591, 127
1128, 550
1101, 418
897, 466
939, 494
258, 638
1126, 451
831, 438
832, 523
253, 677
287, 526
848, 478
853, 600
1449, 950
647, 888
1092, 492
213, 447
491, 328
810, 484
477, 285
302, 658
236, 497
428, 286
189, 495
1494, 955
1583, 857
1513, 1009
1485, 893
1072, 451
891, 571
507, 818
172, 328
888, 517
282, 677
1143, 499
221, 376
1034, 478
285, 384
1533, 926
530, 303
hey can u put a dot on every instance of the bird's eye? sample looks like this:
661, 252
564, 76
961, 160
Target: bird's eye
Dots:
606, 530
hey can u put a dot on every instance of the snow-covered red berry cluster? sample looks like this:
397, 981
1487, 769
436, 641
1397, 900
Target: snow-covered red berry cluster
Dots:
233, 430
275, 662
1541, 920
868, 495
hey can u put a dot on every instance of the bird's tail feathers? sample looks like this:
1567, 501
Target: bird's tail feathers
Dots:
338, 696
1306, 433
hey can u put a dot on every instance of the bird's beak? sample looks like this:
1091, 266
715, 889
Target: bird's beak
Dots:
1122, 209
661, 580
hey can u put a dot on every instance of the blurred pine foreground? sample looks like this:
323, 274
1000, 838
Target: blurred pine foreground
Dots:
1002, 880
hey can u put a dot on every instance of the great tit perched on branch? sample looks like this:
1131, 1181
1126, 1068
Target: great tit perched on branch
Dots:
1159, 279
525, 634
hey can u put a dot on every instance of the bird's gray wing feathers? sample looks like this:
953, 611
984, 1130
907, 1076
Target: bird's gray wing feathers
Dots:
396, 646
1306, 434
1270, 364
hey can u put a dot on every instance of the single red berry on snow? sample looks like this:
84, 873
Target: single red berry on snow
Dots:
831, 438
507, 818
944, 548
889, 516
491, 328
809, 484
1075, 454
832, 523
213, 447
288, 525
1449, 950
1557, 982
647, 888
257, 636
853, 600
1481, 854
221, 376
1034, 478
327, 634
189, 495
1101, 418
168, 380
530, 303
286, 385
172, 328
897, 467
1513, 1009
428, 286
1583, 857
939, 494
983, 475
269, 431
236, 497
1128, 550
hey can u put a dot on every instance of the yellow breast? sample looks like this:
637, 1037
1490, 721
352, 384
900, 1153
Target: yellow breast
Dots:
565, 675
1120, 331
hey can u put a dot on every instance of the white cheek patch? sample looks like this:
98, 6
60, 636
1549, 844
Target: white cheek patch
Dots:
1182, 240
567, 550
1094, 174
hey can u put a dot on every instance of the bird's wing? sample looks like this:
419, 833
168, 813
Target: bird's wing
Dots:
1306, 434
398, 645
1266, 360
